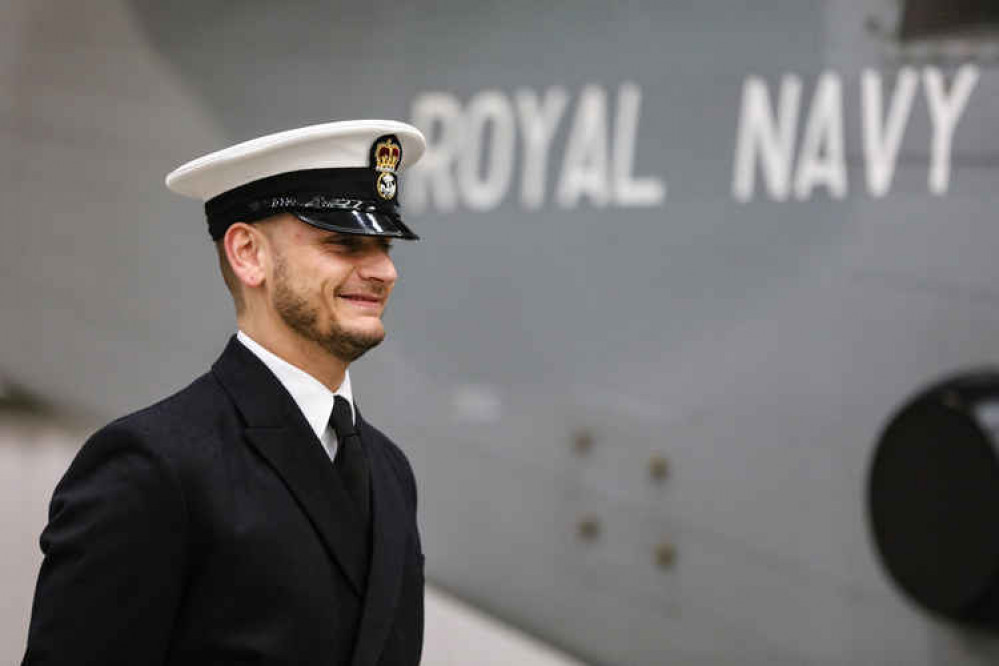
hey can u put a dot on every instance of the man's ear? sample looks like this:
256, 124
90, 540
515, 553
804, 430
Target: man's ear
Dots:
247, 252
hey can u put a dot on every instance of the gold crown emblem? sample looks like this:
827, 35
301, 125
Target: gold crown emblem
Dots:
387, 155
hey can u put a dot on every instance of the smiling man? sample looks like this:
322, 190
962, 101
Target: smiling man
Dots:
255, 516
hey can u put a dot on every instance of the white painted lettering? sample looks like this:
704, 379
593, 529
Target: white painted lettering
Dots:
472, 148
945, 112
628, 190
584, 167
821, 160
438, 116
489, 108
882, 141
765, 138
538, 122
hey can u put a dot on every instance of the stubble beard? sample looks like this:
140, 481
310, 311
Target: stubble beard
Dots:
303, 318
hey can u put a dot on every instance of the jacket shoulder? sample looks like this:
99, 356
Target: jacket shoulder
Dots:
197, 403
166, 428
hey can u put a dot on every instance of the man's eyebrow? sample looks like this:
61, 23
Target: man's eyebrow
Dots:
357, 240
334, 237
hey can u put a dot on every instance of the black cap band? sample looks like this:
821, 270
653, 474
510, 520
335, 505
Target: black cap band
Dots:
310, 192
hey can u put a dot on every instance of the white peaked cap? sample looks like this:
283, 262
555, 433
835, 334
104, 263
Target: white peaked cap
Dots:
326, 161
333, 145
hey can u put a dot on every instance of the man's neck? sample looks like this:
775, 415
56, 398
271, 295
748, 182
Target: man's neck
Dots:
304, 354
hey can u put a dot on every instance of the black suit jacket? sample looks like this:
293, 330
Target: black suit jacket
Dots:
211, 528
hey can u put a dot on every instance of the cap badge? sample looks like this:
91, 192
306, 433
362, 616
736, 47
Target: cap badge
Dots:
386, 154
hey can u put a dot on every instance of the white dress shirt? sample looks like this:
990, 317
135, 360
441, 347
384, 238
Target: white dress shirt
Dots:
314, 400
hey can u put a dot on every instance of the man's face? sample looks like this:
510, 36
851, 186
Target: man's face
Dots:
331, 288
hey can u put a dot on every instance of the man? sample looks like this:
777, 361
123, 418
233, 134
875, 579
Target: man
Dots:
255, 517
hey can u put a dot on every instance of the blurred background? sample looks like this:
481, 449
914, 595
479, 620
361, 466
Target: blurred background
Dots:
684, 269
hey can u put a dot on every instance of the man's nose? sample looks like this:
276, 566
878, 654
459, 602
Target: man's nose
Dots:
378, 265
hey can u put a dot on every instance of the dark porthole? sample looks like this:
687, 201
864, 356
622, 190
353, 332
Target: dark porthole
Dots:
933, 498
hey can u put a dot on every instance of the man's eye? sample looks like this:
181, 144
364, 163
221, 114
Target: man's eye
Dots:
349, 244
356, 245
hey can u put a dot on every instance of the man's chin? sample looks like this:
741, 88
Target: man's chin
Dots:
350, 344
372, 331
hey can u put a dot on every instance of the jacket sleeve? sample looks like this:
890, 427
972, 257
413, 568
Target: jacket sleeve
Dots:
114, 556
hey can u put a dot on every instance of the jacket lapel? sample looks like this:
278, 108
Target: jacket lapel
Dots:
277, 430
388, 551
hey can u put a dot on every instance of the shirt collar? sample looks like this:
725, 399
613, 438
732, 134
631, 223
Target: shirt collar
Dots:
312, 397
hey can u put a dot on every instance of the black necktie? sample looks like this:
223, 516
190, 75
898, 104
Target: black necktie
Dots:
350, 461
